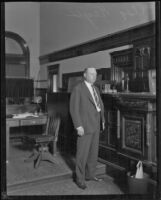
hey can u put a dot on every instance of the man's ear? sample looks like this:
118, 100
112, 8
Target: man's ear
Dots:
84, 75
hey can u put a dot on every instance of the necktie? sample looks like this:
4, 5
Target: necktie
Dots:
96, 98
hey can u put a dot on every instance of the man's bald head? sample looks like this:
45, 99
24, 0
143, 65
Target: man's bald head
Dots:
90, 74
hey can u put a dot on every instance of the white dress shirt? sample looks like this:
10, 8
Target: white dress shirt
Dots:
91, 91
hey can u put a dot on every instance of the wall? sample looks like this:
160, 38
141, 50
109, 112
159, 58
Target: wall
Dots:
51, 26
23, 18
64, 24
98, 60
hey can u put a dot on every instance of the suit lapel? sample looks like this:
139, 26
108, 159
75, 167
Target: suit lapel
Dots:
102, 108
97, 93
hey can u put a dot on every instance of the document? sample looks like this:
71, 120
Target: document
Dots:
24, 115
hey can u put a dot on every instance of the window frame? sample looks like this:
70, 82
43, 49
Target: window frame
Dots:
52, 70
24, 58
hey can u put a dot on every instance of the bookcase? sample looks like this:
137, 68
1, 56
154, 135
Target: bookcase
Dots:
131, 67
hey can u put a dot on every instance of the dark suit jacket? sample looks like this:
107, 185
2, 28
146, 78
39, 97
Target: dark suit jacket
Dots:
83, 110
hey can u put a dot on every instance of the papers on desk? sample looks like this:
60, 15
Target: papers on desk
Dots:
24, 115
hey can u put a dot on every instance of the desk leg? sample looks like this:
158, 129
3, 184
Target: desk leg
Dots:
7, 143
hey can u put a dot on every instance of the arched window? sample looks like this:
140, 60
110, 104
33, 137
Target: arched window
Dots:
17, 56
17, 68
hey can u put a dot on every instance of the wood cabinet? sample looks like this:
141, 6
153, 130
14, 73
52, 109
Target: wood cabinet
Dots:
133, 65
121, 67
130, 133
109, 136
137, 133
130, 128
144, 60
144, 54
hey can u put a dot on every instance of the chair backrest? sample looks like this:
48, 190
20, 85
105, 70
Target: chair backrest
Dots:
52, 126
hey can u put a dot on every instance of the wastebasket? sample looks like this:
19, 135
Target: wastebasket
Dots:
137, 185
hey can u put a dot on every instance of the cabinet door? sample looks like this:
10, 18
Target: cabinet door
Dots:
108, 137
112, 128
143, 53
132, 134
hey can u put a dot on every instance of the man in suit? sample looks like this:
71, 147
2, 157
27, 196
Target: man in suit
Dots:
87, 112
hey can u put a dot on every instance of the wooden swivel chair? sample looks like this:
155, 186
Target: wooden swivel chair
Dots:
44, 142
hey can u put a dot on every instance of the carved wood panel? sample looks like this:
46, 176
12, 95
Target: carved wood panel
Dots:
132, 134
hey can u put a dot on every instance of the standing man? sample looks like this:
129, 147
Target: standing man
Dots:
87, 112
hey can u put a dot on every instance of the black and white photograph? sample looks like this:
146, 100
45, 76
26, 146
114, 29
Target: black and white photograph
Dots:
80, 99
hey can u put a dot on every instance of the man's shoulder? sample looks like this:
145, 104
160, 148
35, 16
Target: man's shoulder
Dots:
79, 85
77, 88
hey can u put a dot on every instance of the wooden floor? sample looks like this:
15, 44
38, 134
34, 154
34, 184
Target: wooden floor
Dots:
20, 172
22, 175
52, 179
68, 187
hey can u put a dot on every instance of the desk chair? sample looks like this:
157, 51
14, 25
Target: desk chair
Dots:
44, 142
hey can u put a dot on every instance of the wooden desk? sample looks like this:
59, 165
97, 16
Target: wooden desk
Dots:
19, 122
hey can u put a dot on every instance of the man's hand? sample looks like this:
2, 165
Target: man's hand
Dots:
80, 131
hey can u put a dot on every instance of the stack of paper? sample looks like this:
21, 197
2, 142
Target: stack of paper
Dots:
24, 115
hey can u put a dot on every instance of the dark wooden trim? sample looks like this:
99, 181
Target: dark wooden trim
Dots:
53, 68
19, 40
117, 39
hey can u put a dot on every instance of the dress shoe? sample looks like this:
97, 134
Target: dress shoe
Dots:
94, 179
81, 185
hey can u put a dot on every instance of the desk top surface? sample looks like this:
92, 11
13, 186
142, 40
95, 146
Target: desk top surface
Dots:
27, 117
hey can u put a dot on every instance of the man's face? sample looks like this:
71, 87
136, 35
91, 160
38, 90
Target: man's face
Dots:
90, 75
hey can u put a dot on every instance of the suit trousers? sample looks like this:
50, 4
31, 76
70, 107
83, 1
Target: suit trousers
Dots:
87, 154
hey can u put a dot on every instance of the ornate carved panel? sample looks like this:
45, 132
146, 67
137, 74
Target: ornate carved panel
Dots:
133, 134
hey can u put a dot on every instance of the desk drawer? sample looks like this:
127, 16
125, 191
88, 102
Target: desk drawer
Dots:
12, 123
30, 122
